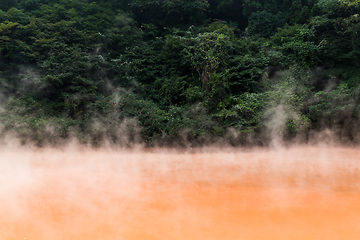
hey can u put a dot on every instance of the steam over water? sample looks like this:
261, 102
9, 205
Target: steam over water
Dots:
297, 193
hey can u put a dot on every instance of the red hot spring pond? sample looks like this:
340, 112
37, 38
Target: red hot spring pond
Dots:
291, 193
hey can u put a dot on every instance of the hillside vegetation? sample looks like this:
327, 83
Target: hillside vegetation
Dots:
184, 72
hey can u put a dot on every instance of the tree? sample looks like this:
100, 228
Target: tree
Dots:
7, 4
169, 13
5, 32
265, 23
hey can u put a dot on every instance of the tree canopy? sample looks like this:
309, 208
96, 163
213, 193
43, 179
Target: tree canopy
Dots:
178, 71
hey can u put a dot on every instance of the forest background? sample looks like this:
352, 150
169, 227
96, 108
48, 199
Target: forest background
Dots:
179, 72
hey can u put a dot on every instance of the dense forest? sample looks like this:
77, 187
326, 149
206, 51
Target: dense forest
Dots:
184, 72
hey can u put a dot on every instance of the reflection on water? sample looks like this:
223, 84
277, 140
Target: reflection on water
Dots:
298, 193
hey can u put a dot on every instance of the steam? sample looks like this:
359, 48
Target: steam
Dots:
30, 79
284, 120
276, 125
78, 192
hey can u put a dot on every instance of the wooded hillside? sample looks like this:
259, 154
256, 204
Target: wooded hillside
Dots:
179, 71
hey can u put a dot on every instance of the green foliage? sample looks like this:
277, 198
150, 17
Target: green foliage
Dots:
150, 122
7, 4
298, 44
5, 31
297, 11
17, 16
167, 13
338, 109
253, 6
288, 95
122, 34
265, 23
229, 11
126, 109
341, 35
336, 8
250, 59
29, 120
30, 5
244, 112
207, 53
177, 71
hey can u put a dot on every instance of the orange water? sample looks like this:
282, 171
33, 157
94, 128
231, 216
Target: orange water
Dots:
298, 193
